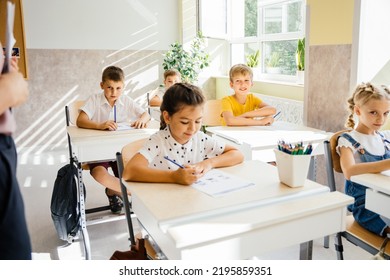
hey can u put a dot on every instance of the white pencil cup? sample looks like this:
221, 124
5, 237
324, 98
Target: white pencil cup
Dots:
292, 169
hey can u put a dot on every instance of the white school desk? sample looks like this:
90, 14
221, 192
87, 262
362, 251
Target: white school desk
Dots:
253, 139
378, 192
188, 224
89, 145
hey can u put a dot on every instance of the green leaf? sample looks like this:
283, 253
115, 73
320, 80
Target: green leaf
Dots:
188, 63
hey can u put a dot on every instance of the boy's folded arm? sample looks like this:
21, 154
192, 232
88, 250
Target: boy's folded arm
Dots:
242, 120
83, 121
264, 111
145, 117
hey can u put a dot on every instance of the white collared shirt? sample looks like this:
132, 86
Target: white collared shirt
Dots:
200, 147
99, 110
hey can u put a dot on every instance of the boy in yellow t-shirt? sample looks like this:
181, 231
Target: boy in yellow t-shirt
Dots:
243, 108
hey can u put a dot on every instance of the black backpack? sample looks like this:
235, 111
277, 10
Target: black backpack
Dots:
64, 203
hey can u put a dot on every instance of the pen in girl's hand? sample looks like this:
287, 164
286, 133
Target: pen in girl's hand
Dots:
174, 162
277, 114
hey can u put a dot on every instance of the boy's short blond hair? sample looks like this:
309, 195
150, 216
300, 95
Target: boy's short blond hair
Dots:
240, 69
171, 72
113, 73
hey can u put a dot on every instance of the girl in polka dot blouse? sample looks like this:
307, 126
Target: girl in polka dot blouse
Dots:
181, 140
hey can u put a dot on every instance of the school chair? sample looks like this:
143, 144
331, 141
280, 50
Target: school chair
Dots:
212, 114
353, 233
71, 113
148, 101
153, 111
122, 158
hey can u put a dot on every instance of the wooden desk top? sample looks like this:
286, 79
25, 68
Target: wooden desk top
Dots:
240, 222
266, 137
375, 181
76, 132
90, 145
171, 203
276, 126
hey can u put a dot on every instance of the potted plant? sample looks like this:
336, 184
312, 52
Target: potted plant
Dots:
273, 63
300, 60
187, 62
252, 60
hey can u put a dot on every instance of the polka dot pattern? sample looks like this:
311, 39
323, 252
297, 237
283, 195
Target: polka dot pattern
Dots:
198, 148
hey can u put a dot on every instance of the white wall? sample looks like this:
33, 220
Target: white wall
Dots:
101, 24
373, 41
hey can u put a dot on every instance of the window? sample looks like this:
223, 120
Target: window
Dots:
271, 26
214, 12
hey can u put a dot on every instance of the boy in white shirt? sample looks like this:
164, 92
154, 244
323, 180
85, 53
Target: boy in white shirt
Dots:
104, 112
171, 77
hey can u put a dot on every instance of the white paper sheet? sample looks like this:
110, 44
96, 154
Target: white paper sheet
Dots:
217, 183
124, 126
387, 173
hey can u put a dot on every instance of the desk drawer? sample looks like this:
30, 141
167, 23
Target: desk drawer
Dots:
378, 202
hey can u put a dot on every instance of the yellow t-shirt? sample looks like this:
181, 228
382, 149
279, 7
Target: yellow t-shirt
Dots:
229, 103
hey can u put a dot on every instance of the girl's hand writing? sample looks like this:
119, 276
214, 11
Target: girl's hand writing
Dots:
187, 175
202, 167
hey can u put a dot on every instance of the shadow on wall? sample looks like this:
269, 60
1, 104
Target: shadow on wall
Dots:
58, 77
383, 78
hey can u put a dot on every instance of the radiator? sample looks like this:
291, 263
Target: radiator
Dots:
291, 110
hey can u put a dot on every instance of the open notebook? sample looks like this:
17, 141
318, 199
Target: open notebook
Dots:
217, 183
124, 126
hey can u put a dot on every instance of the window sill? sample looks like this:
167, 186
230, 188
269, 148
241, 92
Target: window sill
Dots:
291, 82
271, 81
284, 89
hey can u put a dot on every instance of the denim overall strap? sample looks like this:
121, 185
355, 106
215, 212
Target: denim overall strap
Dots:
366, 218
386, 142
354, 143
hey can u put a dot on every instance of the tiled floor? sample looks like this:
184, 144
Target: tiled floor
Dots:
36, 174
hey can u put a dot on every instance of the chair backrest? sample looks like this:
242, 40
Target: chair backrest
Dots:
332, 159
335, 155
72, 111
129, 150
212, 112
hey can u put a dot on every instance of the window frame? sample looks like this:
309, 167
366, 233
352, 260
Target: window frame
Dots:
261, 37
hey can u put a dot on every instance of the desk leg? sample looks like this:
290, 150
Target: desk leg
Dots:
312, 175
83, 220
306, 250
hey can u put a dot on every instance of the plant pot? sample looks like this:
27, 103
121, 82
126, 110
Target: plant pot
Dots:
273, 70
256, 73
300, 77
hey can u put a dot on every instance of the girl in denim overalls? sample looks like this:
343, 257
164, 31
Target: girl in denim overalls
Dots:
365, 149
